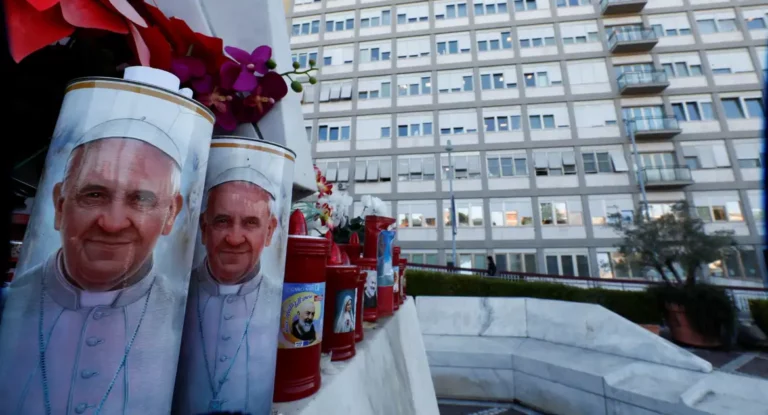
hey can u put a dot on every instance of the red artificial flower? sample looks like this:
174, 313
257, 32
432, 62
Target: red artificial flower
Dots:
221, 102
270, 89
323, 187
34, 24
325, 215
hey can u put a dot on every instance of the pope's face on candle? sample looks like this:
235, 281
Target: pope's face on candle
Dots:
235, 228
117, 197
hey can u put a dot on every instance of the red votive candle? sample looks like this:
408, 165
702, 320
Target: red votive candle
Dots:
340, 307
396, 274
301, 321
359, 314
373, 226
370, 288
403, 280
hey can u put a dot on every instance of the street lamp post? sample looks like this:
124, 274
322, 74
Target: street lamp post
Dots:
640, 179
449, 149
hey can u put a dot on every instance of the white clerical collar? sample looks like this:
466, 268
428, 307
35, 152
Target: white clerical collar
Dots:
69, 296
229, 289
213, 287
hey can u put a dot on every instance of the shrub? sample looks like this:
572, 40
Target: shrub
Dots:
636, 306
759, 309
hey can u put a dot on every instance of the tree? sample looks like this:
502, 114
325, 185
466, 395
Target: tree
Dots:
678, 237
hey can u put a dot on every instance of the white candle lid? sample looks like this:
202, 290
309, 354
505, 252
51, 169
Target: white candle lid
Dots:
152, 76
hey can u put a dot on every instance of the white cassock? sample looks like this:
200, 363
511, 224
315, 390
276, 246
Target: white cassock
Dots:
345, 323
86, 336
240, 368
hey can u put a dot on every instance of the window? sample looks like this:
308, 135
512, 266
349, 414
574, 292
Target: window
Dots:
413, 13
373, 170
750, 154
464, 167
572, 3
335, 171
755, 23
709, 26
375, 54
568, 265
737, 108
417, 86
516, 262
693, 111
681, 69
554, 163
541, 122
729, 212
525, 5
303, 58
306, 28
454, 82
411, 48
414, 129
511, 212
333, 132
338, 24
598, 162
539, 79
417, 214
490, 81
452, 11
416, 169
502, 123
370, 18
469, 213
490, 7
429, 259
615, 265
373, 89
507, 165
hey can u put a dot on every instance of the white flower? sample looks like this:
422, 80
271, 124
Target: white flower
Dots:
339, 204
373, 206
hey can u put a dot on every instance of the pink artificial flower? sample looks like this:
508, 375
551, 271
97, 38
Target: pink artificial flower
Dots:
220, 102
247, 64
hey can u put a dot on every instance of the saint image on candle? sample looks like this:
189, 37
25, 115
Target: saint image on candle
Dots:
345, 322
219, 366
304, 328
78, 330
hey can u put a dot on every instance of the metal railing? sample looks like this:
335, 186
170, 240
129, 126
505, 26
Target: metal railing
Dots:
630, 35
643, 125
653, 175
739, 295
641, 78
605, 3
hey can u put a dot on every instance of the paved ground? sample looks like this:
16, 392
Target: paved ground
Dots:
736, 362
454, 407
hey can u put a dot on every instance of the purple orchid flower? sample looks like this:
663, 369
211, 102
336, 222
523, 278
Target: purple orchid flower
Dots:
248, 63
192, 70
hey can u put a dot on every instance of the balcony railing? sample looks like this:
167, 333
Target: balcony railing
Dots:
639, 79
666, 175
632, 35
647, 125
621, 6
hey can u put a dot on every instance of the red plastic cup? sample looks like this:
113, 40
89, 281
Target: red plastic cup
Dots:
298, 366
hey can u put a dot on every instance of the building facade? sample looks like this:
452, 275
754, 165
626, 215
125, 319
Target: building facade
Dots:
537, 98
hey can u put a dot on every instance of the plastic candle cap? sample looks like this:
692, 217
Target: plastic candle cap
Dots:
335, 258
297, 225
344, 258
354, 239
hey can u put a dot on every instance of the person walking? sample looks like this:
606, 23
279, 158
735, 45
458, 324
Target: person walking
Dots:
491, 267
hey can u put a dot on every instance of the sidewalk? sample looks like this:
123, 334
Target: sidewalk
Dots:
747, 363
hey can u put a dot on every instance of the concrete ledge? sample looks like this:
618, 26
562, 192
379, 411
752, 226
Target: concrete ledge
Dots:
573, 359
389, 375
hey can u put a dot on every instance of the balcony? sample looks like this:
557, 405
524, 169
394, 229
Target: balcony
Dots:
637, 83
632, 40
667, 177
622, 6
655, 128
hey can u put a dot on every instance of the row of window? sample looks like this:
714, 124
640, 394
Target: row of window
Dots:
503, 120
662, 25
611, 264
549, 162
604, 210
